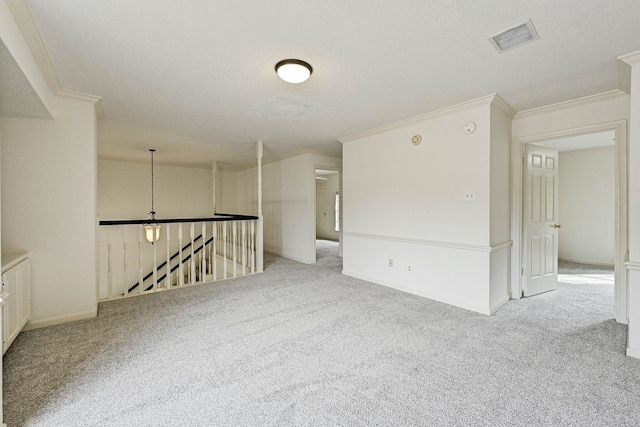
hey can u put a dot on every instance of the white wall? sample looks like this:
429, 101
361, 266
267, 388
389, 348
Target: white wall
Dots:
500, 221
325, 207
49, 207
289, 205
227, 199
406, 203
124, 190
288, 202
587, 205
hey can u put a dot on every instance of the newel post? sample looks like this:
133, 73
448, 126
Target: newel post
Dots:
260, 236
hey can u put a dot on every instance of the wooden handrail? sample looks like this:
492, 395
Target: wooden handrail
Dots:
221, 217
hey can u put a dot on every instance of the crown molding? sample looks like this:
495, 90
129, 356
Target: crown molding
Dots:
440, 243
631, 58
499, 102
485, 100
95, 100
625, 64
24, 18
600, 97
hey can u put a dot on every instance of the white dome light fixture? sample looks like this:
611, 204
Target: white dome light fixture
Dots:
293, 70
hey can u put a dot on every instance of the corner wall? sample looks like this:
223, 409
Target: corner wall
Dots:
406, 222
49, 194
288, 202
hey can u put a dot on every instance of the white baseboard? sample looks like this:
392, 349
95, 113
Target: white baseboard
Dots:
450, 301
37, 324
631, 352
505, 299
292, 258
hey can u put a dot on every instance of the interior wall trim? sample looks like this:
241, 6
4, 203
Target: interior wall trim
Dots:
485, 100
24, 18
52, 321
590, 99
435, 297
438, 243
632, 265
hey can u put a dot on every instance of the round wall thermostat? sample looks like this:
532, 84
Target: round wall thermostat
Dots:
469, 127
416, 139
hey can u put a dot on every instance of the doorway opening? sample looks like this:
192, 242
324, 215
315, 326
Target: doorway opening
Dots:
328, 211
592, 209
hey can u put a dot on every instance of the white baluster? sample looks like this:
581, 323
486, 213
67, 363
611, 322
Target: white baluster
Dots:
235, 248
109, 266
180, 259
140, 272
252, 252
244, 248
209, 254
155, 262
253, 246
167, 270
203, 258
214, 257
192, 270
224, 250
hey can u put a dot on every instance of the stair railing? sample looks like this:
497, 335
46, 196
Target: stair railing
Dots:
217, 248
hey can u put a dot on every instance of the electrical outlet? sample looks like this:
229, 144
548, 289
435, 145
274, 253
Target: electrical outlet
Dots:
409, 268
390, 262
469, 196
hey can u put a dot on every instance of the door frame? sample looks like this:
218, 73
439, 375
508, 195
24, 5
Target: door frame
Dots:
315, 201
621, 202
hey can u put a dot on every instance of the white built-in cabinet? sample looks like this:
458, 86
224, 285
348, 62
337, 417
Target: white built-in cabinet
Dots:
16, 293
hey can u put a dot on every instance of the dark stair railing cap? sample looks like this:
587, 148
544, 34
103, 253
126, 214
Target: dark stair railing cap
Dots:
219, 217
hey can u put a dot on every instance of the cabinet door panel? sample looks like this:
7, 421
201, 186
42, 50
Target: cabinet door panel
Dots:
11, 307
25, 297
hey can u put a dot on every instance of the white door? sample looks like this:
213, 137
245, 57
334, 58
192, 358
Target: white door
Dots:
540, 195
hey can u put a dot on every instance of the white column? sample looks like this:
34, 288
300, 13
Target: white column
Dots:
259, 236
630, 65
214, 173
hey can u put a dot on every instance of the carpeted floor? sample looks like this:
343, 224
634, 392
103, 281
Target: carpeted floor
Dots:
302, 345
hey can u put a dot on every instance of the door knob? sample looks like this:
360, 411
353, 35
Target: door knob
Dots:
556, 226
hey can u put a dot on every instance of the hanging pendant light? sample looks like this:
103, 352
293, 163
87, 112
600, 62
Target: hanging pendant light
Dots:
152, 230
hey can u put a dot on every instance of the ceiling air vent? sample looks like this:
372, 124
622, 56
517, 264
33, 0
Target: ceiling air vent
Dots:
515, 36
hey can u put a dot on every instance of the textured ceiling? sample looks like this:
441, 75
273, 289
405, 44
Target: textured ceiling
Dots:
195, 79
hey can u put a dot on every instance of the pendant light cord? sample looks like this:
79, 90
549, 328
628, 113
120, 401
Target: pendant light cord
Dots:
153, 211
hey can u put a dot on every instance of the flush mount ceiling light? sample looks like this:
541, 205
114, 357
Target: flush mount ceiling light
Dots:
515, 36
293, 70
